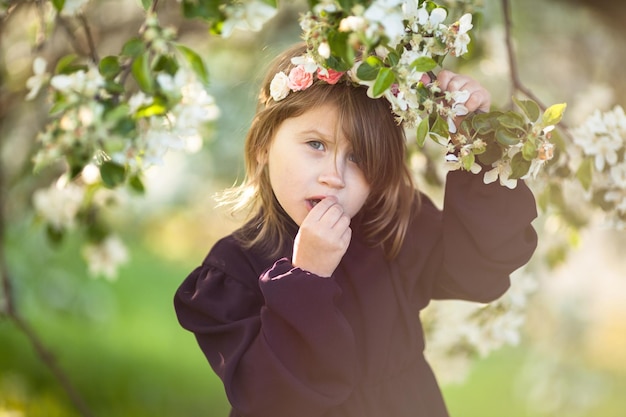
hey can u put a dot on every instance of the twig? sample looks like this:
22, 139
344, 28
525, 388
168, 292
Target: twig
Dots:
92, 47
514, 72
515, 79
8, 306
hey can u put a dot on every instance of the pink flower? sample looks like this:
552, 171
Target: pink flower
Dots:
299, 78
330, 75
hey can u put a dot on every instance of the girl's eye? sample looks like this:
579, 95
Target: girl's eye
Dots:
316, 144
353, 158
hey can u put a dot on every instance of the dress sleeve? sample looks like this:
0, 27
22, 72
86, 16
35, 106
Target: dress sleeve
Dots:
486, 234
267, 341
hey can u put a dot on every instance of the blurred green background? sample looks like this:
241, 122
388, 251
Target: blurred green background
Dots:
120, 343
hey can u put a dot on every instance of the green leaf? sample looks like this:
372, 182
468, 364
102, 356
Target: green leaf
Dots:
529, 107
512, 120
109, 67
341, 50
393, 58
156, 108
553, 114
422, 132
368, 70
146, 4
506, 137
142, 74
529, 150
136, 184
112, 174
133, 48
66, 65
166, 64
207, 10
58, 4
468, 160
584, 173
196, 63
424, 64
54, 235
519, 166
384, 80
491, 155
440, 127
483, 123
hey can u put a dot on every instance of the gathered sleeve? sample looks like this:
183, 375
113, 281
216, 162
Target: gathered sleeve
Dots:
275, 338
483, 234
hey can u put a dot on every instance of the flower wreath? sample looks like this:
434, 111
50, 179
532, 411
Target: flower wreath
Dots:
398, 44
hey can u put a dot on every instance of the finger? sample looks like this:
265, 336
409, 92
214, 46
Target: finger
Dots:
321, 208
479, 100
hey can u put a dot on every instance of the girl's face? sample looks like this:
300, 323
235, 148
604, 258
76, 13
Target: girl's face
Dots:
310, 159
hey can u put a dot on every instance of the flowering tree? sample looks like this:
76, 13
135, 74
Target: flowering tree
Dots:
113, 117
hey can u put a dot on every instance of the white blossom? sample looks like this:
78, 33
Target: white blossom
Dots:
279, 87
352, 24
248, 15
387, 14
83, 83
106, 257
59, 204
38, 79
432, 20
458, 98
462, 39
601, 136
453, 163
501, 170
618, 174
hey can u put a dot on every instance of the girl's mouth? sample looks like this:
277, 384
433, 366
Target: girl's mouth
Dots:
313, 201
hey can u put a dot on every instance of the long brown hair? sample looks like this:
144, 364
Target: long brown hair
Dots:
377, 140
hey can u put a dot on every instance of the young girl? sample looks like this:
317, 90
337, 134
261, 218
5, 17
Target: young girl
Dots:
311, 309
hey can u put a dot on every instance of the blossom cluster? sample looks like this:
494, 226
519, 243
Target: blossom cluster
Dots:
404, 38
459, 330
602, 171
392, 47
107, 137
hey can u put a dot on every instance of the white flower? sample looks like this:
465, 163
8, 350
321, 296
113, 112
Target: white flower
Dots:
618, 197
279, 87
462, 39
453, 163
388, 14
106, 257
618, 174
249, 15
601, 136
433, 20
324, 50
501, 170
307, 61
59, 204
83, 83
39, 78
458, 108
352, 24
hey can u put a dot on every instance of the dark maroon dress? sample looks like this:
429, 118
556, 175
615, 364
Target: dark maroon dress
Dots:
288, 343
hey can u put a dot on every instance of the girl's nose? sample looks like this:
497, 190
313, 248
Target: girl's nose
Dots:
332, 174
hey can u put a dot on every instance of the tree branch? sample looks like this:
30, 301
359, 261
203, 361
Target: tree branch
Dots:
515, 79
93, 53
516, 82
8, 306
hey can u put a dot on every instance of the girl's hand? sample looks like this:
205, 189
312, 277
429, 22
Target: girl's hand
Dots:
479, 99
323, 238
